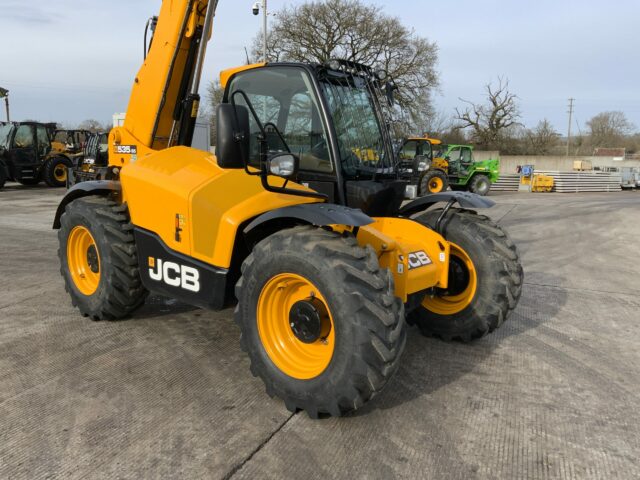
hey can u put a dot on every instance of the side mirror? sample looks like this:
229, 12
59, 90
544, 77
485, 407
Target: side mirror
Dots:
232, 150
283, 165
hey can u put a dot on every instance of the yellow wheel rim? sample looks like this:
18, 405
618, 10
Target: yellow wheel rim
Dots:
298, 359
60, 172
83, 260
451, 304
435, 185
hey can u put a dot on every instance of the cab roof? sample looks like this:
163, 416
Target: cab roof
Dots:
432, 141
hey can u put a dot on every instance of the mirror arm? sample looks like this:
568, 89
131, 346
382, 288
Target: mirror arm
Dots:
263, 135
291, 191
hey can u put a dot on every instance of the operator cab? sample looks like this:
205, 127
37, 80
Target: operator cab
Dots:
330, 118
460, 158
22, 147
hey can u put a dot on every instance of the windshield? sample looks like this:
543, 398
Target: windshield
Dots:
360, 137
5, 131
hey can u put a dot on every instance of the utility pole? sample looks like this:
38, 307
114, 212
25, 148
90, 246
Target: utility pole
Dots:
256, 11
570, 112
4, 93
264, 21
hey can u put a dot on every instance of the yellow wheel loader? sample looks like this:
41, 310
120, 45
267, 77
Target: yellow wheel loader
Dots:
309, 239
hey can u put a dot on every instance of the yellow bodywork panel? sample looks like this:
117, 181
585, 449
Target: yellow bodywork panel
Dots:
440, 163
432, 141
196, 207
417, 256
226, 75
58, 147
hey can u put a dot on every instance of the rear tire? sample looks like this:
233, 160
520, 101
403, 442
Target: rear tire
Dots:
55, 171
498, 276
480, 185
367, 320
3, 176
107, 286
433, 181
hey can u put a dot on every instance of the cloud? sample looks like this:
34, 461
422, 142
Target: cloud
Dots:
29, 14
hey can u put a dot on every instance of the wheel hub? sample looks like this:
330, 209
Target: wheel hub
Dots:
458, 276
309, 320
92, 259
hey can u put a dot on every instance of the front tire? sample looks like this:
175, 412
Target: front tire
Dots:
332, 361
480, 185
485, 279
98, 259
434, 181
55, 171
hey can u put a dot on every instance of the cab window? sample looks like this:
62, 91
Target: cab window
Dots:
454, 155
24, 137
284, 102
43, 139
466, 155
409, 150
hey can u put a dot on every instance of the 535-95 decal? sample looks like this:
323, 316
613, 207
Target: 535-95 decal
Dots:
126, 149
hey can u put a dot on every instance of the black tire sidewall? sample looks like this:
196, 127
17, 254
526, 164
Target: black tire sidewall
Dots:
477, 182
78, 213
327, 384
475, 242
49, 170
424, 181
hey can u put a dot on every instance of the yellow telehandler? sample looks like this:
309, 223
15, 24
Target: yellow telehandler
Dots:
310, 239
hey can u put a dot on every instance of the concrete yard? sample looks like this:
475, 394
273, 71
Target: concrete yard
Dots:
555, 393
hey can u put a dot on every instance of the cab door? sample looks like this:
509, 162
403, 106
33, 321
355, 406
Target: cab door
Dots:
43, 142
23, 152
454, 157
289, 109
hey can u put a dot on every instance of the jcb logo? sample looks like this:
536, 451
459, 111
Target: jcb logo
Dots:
174, 275
418, 259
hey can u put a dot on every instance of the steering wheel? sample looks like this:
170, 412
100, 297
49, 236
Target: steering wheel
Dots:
280, 136
320, 150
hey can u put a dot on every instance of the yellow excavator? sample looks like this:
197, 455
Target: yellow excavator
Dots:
308, 239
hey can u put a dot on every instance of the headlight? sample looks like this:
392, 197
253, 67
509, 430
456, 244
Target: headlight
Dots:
283, 165
422, 166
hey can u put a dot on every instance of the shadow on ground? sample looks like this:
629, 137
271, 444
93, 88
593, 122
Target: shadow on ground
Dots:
430, 364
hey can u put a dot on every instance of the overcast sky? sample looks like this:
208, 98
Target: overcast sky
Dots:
69, 60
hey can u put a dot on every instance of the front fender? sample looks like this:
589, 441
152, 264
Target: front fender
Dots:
85, 189
464, 199
318, 214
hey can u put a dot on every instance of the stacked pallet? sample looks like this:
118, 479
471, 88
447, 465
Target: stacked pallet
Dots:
573, 182
506, 183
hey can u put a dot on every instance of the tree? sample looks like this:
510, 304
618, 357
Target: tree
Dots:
609, 129
542, 139
318, 31
491, 122
215, 92
91, 125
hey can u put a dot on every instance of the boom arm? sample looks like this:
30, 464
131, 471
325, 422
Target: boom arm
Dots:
164, 100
